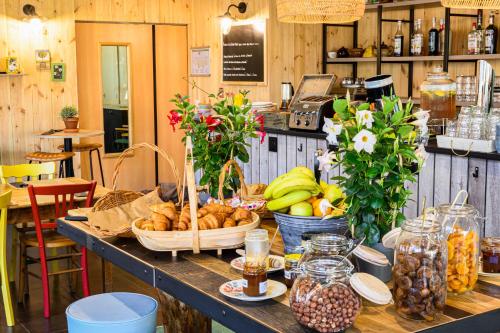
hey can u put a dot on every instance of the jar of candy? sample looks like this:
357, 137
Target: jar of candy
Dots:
461, 228
419, 272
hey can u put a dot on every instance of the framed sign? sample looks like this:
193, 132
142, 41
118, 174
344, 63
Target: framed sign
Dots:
58, 72
244, 54
42, 58
200, 61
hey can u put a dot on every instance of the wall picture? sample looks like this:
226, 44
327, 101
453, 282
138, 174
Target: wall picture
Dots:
58, 72
200, 61
42, 58
9, 65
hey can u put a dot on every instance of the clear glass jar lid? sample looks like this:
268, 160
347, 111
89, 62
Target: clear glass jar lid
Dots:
421, 225
335, 266
457, 210
329, 243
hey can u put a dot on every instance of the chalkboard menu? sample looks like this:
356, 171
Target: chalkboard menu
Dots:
243, 54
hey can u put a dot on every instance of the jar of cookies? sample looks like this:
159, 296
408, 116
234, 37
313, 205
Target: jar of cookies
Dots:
419, 272
461, 229
321, 298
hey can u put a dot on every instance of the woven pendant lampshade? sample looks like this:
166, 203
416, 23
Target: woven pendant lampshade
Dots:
320, 11
472, 4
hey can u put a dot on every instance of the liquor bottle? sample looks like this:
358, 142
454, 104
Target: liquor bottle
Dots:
480, 32
490, 36
418, 39
472, 40
433, 39
399, 41
441, 37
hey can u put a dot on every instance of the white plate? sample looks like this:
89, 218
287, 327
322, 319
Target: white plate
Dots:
277, 263
234, 289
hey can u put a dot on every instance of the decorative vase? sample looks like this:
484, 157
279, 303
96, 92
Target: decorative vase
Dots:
384, 273
71, 125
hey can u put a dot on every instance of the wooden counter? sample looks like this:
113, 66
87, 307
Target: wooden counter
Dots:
195, 280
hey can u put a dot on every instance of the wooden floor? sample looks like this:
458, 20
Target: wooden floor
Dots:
29, 317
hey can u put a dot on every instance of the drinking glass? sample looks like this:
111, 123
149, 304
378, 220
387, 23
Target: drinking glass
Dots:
451, 128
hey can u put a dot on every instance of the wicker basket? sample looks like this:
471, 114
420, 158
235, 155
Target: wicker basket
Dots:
320, 11
247, 199
471, 4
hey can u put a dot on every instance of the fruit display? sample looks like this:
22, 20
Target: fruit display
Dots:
298, 193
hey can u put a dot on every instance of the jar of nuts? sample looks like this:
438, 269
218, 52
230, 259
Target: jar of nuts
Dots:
419, 272
461, 229
322, 299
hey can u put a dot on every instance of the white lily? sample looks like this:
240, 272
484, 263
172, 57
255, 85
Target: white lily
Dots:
364, 118
421, 154
422, 114
364, 140
326, 161
333, 130
419, 122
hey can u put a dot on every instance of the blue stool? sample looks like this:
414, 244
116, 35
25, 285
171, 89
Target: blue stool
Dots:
113, 313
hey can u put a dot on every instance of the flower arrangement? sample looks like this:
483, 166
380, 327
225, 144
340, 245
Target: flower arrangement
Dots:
378, 151
220, 136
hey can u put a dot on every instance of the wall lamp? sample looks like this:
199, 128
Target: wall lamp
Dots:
31, 15
226, 20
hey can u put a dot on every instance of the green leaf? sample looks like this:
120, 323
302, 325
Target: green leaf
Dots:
372, 172
340, 107
397, 116
376, 203
373, 235
363, 107
368, 217
405, 130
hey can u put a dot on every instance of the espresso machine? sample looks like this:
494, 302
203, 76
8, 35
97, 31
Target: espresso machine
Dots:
286, 95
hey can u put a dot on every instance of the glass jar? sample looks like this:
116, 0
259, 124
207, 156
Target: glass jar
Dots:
325, 245
322, 299
438, 93
291, 268
491, 124
419, 272
255, 268
490, 254
461, 228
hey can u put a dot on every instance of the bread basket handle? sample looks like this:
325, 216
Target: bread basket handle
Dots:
222, 177
154, 148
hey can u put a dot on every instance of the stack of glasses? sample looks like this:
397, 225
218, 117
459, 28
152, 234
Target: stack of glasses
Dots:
466, 88
474, 123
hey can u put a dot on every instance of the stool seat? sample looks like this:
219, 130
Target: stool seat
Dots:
40, 156
118, 312
51, 239
82, 147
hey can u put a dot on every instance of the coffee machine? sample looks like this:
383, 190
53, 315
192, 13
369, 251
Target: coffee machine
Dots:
286, 95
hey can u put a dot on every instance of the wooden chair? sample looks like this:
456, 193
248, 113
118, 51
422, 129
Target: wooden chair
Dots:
7, 302
47, 237
88, 147
17, 173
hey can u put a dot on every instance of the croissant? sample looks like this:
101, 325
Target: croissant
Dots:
209, 221
215, 208
243, 222
160, 221
241, 214
147, 225
166, 208
184, 219
229, 222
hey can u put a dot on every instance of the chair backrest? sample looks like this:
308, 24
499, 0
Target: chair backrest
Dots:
26, 170
4, 203
64, 200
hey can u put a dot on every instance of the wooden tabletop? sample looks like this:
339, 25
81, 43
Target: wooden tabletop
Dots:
82, 133
195, 280
20, 198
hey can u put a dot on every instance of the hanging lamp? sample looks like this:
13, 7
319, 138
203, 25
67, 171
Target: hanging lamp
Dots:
320, 11
471, 4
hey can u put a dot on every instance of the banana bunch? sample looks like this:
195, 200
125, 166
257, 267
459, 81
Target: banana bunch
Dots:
291, 188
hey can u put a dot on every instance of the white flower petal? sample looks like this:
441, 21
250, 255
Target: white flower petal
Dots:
364, 140
324, 205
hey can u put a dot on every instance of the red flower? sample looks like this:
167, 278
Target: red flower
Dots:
174, 119
212, 123
262, 135
260, 120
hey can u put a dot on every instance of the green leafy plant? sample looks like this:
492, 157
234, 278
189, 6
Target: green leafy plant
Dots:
218, 137
379, 154
69, 111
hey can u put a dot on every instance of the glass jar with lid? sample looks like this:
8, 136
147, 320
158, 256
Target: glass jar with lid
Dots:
419, 272
438, 94
255, 268
490, 254
322, 299
325, 245
461, 225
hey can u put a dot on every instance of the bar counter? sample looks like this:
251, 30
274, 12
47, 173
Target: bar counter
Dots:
195, 280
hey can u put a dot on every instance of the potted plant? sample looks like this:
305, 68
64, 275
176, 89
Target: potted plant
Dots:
218, 137
378, 151
69, 115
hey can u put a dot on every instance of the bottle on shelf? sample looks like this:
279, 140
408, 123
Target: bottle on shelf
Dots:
480, 32
490, 36
472, 40
399, 41
417, 40
433, 39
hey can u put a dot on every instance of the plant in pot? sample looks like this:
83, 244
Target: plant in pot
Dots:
379, 152
218, 137
69, 115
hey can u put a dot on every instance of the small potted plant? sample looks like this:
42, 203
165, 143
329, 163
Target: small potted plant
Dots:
69, 115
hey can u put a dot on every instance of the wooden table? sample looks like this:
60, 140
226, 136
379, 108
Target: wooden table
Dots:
68, 143
195, 280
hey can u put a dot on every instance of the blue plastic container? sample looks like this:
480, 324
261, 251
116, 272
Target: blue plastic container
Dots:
113, 313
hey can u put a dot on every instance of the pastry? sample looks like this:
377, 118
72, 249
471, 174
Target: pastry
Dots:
241, 214
208, 221
215, 208
229, 222
185, 219
159, 219
166, 208
147, 225
243, 222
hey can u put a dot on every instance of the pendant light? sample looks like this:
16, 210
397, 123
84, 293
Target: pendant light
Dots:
471, 4
320, 11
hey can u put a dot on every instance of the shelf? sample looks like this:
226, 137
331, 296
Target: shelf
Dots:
12, 75
350, 60
473, 57
416, 101
412, 58
403, 4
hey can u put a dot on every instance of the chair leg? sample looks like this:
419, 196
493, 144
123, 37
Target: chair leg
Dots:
13, 255
100, 166
54, 264
22, 272
61, 169
7, 301
91, 167
85, 273
45, 283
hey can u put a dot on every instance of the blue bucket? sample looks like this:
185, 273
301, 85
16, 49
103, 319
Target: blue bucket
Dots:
292, 227
113, 313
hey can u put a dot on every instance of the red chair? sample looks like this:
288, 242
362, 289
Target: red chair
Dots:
47, 237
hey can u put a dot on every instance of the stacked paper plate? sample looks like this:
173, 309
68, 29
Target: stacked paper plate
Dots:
263, 106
